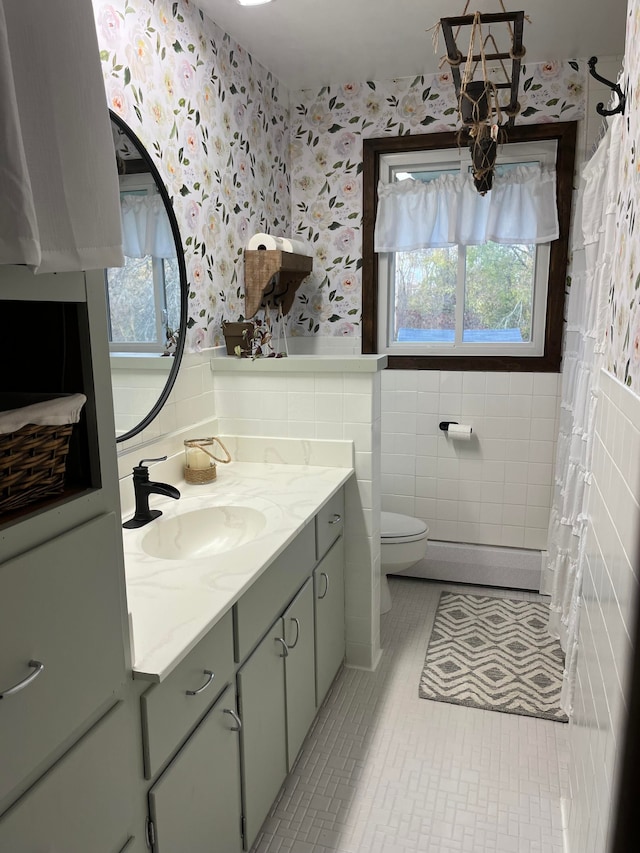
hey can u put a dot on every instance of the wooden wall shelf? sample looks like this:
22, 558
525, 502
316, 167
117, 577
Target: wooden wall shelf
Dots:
271, 277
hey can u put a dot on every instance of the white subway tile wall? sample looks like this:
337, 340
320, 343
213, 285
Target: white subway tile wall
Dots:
492, 490
190, 402
610, 589
328, 406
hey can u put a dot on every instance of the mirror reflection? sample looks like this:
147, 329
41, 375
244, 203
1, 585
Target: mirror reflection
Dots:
146, 297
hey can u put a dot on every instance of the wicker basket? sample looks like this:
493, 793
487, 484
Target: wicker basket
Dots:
32, 459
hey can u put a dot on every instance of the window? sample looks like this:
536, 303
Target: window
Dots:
144, 295
473, 304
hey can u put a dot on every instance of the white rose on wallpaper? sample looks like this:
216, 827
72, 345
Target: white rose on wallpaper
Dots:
443, 81
254, 132
166, 20
412, 108
218, 144
321, 157
139, 57
193, 215
117, 99
240, 114
108, 23
198, 339
350, 90
192, 143
349, 283
197, 271
157, 111
306, 183
372, 105
350, 189
319, 215
345, 239
173, 169
550, 70
168, 84
347, 143
186, 75
319, 116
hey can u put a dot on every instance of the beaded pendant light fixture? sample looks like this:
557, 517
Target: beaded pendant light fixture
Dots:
489, 67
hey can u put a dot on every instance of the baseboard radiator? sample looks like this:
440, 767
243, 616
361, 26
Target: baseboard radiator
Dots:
484, 565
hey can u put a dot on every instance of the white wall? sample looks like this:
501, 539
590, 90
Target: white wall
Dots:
606, 617
493, 490
190, 402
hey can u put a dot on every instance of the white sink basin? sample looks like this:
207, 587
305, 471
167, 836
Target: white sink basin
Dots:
203, 532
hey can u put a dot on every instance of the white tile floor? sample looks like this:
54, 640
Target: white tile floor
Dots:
384, 771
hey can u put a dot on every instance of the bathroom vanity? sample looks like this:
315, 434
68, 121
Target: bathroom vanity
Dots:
238, 675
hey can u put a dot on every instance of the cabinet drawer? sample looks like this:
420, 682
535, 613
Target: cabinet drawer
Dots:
61, 605
85, 802
263, 602
172, 708
329, 523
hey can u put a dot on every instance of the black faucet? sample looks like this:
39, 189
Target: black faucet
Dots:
143, 487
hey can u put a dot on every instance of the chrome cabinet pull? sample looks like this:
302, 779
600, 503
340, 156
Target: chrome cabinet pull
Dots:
297, 624
37, 669
235, 717
204, 686
336, 518
284, 646
326, 582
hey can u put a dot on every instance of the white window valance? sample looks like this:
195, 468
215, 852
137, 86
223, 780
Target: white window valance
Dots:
520, 208
145, 227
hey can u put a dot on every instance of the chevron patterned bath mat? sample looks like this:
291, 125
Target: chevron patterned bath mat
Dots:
496, 654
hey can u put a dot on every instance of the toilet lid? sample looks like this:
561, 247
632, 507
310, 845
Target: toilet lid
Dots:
394, 525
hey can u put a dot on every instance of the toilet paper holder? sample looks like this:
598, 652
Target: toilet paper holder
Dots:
444, 425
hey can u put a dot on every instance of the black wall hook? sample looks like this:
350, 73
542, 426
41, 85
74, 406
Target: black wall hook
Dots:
622, 99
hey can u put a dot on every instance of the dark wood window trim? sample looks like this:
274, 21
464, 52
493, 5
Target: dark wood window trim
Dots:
565, 134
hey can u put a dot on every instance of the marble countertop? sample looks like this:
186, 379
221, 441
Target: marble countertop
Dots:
173, 603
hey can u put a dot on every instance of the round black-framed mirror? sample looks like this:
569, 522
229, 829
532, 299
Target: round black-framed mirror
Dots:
178, 330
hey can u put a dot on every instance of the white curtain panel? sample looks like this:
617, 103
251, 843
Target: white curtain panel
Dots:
145, 227
582, 358
58, 175
521, 208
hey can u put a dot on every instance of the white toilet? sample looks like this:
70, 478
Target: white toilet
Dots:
403, 542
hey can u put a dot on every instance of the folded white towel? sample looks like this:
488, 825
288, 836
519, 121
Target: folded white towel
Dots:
60, 410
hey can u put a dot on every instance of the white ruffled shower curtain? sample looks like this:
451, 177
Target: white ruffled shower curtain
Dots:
584, 340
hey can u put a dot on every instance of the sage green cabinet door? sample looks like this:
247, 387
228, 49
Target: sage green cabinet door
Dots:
195, 804
263, 741
300, 677
83, 804
328, 583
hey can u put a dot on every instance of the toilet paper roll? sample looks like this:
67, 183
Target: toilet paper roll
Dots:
290, 245
460, 432
284, 244
263, 241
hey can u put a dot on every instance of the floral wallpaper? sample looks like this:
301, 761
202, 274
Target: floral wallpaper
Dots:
622, 353
327, 129
216, 124
237, 159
